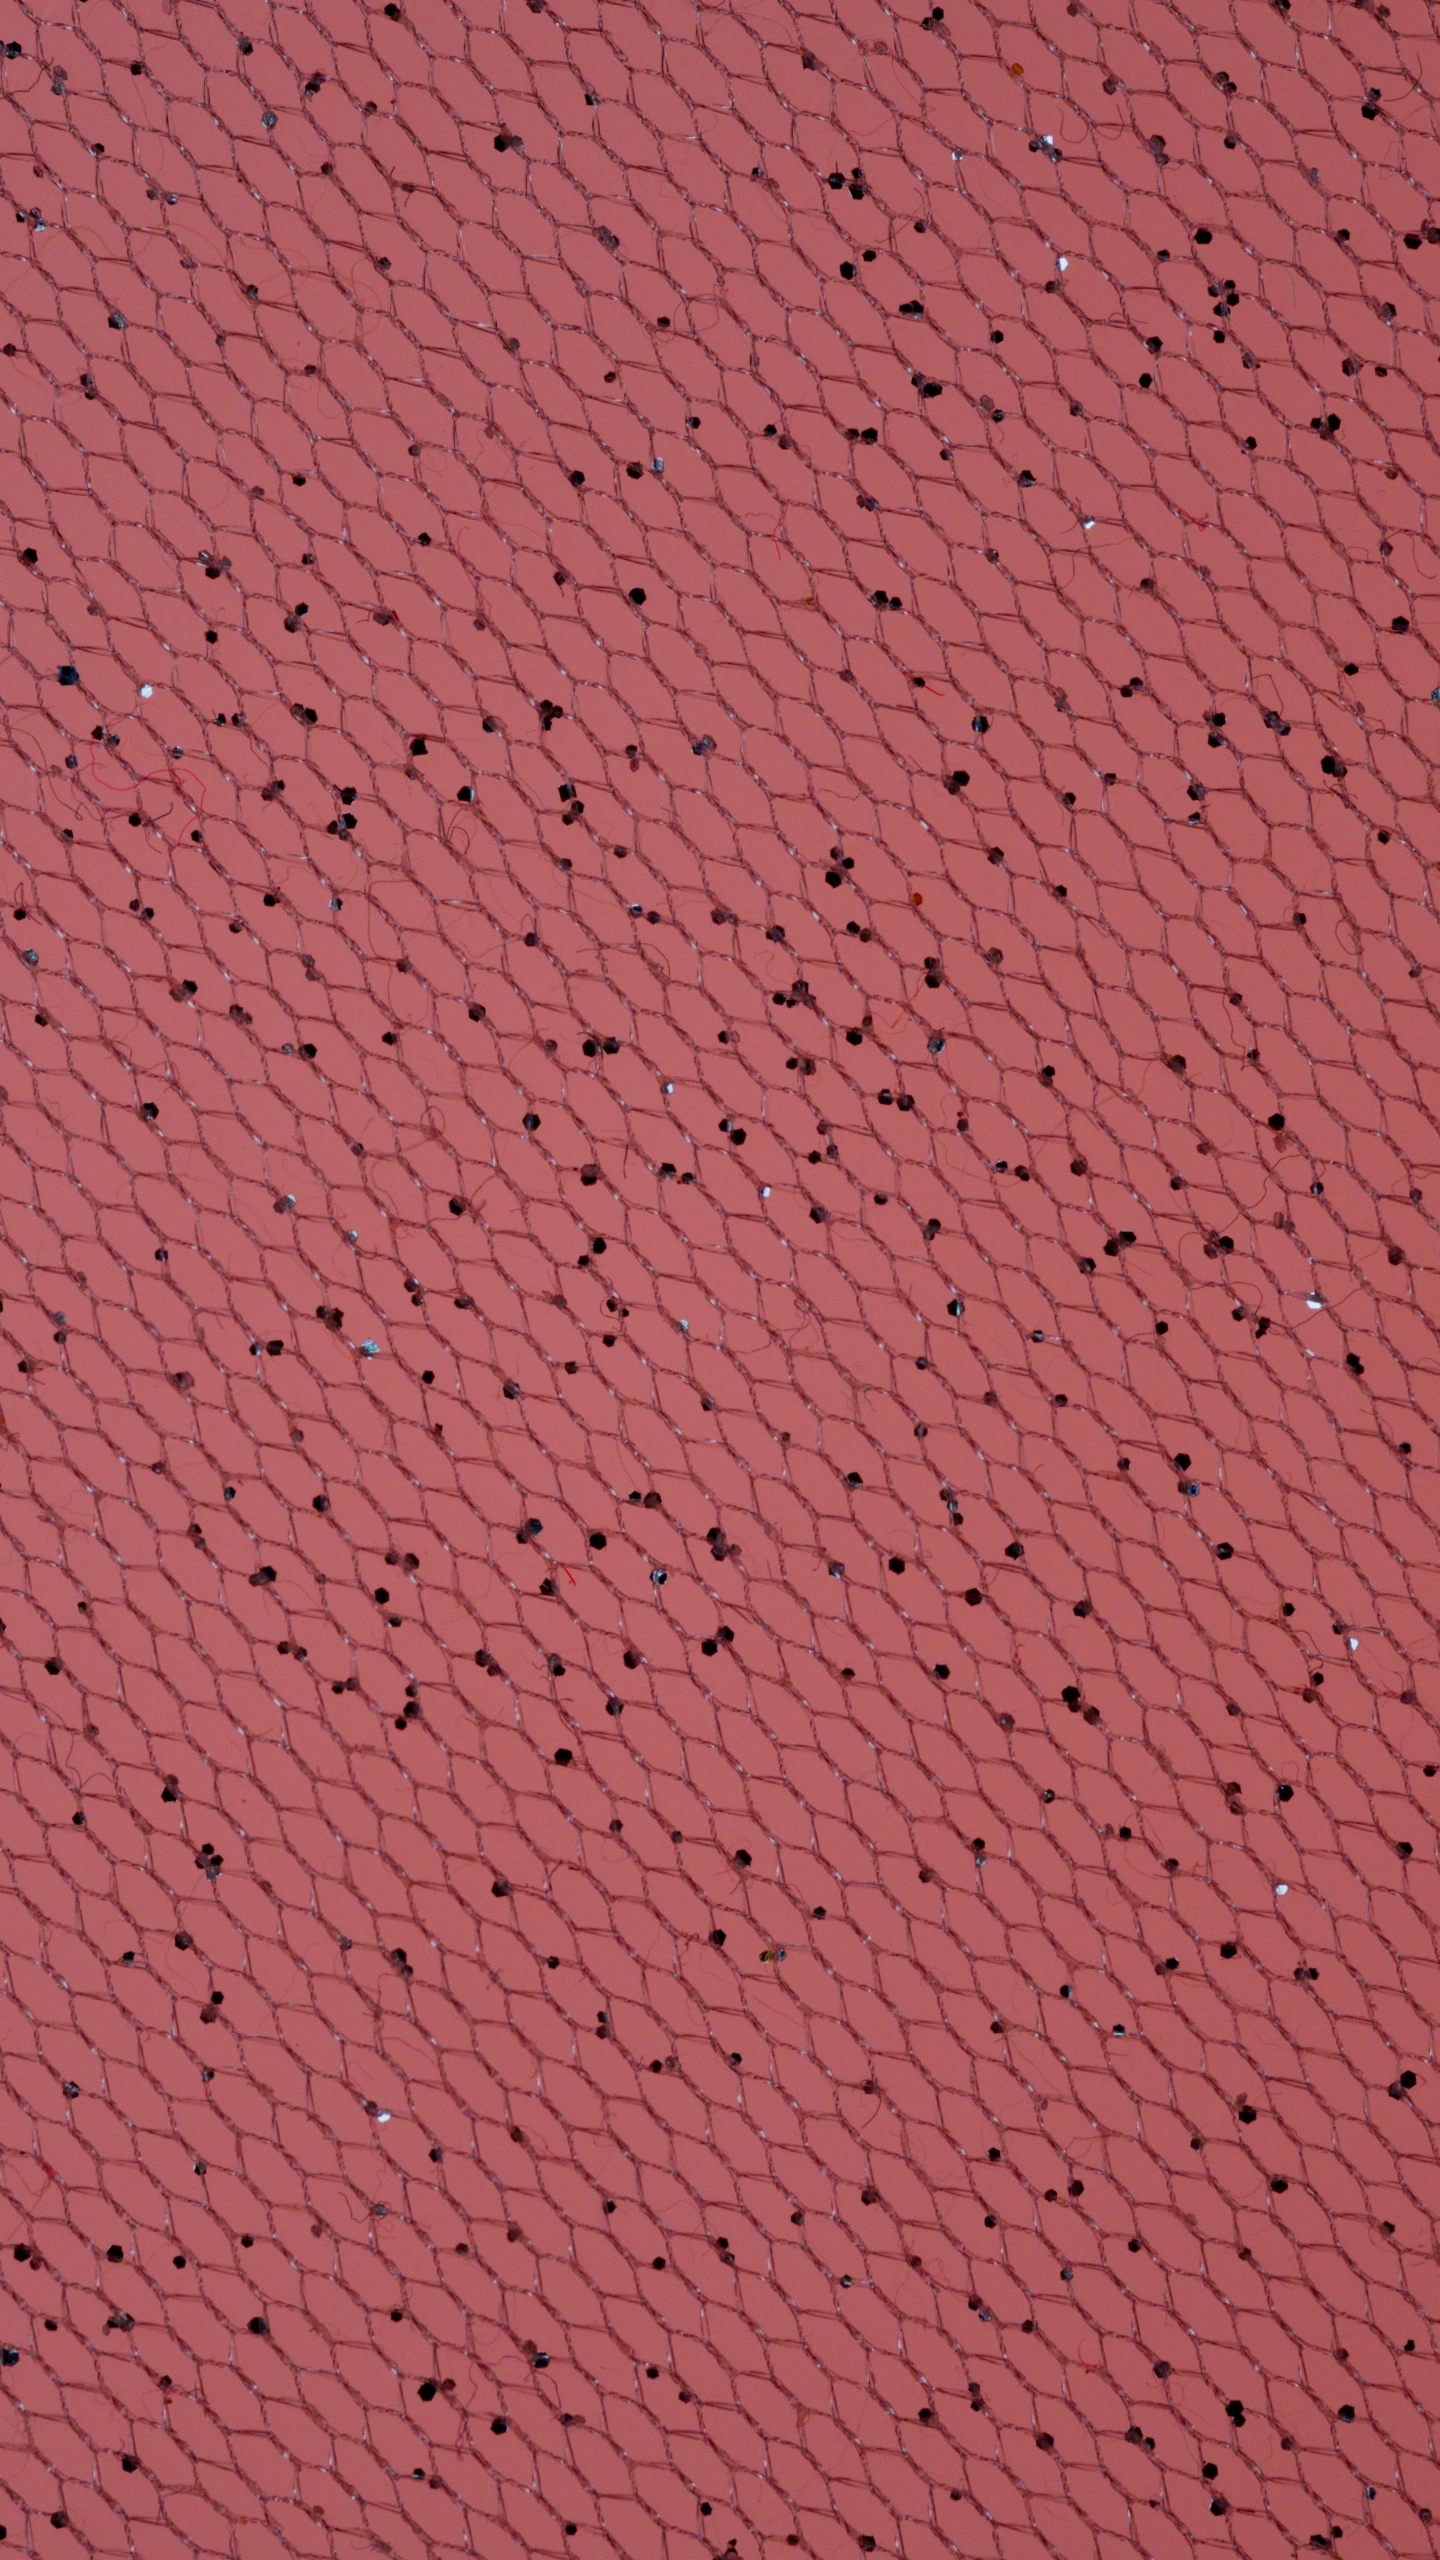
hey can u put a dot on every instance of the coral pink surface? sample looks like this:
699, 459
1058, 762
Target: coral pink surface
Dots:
721, 1128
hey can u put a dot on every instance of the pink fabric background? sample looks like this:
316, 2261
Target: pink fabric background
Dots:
779, 2093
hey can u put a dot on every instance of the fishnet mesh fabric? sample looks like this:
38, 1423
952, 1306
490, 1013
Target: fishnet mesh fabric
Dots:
719, 1366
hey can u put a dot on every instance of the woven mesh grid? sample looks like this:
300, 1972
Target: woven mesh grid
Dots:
719, 1452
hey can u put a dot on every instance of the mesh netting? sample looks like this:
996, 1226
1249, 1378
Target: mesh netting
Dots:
719, 1438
